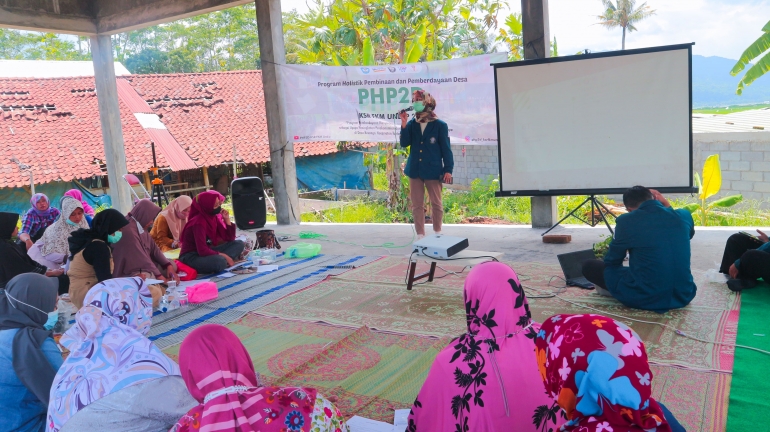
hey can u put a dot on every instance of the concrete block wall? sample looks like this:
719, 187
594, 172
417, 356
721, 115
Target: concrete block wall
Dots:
745, 160
478, 162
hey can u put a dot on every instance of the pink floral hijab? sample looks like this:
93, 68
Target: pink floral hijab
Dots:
596, 370
487, 379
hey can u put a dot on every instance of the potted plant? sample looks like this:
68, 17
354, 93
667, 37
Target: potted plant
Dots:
601, 247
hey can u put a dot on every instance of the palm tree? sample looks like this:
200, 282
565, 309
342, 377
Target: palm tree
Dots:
623, 14
754, 50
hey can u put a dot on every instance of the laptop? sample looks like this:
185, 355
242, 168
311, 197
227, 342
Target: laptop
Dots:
572, 266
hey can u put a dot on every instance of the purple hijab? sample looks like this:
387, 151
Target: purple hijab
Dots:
35, 199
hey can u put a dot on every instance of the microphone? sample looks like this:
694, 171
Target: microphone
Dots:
411, 108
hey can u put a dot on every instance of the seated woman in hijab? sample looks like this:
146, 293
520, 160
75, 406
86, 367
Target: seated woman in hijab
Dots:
53, 248
115, 379
208, 239
29, 357
220, 375
596, 372
492, 367
90, 254
14, 259
37, 219
136, 253
87, 209
167, 229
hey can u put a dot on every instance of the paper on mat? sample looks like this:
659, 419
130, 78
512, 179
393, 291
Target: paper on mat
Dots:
237, 265
185, 284
153, 281
266, 268
225, 275
362, 424
401, 420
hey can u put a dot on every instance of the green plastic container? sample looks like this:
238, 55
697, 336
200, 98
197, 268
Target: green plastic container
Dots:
303, 250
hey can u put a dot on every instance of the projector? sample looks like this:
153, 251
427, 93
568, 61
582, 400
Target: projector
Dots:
440, 246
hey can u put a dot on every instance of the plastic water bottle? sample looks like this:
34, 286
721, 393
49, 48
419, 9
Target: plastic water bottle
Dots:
65, 309
165, 305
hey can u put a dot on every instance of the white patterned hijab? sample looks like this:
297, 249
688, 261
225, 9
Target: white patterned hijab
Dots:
109, 349
55, 237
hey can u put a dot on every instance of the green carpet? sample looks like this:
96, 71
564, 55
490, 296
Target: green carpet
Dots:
750, 386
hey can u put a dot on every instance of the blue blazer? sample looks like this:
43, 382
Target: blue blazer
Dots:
658, 276
431, 156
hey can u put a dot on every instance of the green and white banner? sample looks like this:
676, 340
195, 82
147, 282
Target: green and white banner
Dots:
361, 103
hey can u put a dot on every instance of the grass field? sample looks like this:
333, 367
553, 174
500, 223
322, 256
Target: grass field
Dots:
481, 201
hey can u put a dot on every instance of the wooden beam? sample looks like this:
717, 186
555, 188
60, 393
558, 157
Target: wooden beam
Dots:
271, 50
147, 184
206, 177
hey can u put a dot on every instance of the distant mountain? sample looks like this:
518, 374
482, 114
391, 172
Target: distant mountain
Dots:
713, 86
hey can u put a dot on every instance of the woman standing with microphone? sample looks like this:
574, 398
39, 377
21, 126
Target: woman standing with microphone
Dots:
430, 161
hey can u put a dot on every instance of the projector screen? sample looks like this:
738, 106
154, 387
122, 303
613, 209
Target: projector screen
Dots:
596, 123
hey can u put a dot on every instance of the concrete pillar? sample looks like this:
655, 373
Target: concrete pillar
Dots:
537, 44
272, 54
109, 117
534, 29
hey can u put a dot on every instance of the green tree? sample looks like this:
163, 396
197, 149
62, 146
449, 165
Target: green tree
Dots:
759, 46
510, 34
623, 14
24, 45
368, 32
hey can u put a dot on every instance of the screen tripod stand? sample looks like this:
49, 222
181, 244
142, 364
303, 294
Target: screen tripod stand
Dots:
158, 190
596, 205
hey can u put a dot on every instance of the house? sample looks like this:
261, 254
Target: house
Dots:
200, 125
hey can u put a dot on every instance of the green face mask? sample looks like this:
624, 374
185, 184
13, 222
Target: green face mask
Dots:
114, 238
419, 106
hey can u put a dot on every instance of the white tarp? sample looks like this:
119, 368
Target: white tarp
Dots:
360, 103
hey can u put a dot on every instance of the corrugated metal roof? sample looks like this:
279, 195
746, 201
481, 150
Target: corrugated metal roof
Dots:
744, 121
128, 95
165, 143
52, 69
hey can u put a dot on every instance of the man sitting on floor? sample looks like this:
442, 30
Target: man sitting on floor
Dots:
657, 238
746, 259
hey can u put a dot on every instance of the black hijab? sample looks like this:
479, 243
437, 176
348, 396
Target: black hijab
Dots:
8, 223
105, 223
19, 304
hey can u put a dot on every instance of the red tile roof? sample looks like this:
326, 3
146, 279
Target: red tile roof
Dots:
208, 112
59, 134
55, 129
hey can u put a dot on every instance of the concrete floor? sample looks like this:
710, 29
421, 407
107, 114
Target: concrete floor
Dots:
518, 242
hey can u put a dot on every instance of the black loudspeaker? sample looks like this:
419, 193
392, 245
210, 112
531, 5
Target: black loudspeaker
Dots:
249, 206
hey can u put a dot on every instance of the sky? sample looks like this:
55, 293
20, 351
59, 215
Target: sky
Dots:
721, 28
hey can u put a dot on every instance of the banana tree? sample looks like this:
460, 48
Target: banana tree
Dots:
708, 187
759, 46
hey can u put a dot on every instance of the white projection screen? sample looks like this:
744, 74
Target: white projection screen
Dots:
596, 123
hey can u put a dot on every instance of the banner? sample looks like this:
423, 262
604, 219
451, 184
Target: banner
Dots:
361, 103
